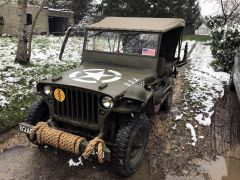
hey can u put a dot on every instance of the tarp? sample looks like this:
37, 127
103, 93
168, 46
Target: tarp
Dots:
138, 24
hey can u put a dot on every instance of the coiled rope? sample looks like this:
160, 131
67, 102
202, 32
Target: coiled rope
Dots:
65, 141
89, 149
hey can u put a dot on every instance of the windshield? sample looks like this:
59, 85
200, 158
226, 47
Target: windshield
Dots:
123, 42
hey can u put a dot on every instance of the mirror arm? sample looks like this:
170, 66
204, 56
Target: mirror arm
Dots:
67, 34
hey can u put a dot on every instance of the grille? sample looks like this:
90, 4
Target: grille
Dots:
79, 106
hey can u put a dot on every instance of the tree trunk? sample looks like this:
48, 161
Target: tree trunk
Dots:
32, 28
21, 55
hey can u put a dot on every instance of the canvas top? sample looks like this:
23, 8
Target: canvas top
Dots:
138, 24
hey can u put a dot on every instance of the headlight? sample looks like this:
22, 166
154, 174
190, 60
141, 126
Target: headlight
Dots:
107, 102
47, 90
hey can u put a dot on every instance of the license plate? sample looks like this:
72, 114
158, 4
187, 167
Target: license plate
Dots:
24, 128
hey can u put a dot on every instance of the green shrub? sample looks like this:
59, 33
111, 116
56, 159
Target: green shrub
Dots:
225, 41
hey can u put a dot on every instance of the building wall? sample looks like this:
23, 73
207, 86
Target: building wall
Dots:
203, 30
9, 12
42, 21
10, 19
71, 19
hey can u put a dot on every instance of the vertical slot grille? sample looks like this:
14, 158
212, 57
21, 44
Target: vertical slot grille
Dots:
78, 106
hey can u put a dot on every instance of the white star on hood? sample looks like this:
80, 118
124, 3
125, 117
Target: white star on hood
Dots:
96, 75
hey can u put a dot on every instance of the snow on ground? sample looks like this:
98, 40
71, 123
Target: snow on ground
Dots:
193, 134
190, 45
204, 87
73, 163
18, 81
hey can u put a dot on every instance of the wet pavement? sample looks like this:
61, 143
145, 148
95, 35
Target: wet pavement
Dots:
31, 163
221, 169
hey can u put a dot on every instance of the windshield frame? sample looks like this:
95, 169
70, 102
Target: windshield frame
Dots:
116, 53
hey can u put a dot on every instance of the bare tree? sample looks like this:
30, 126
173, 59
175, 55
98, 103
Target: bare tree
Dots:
21, 55
24, 47
230, 10
33, 26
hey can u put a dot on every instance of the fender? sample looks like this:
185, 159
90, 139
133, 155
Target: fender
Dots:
134, 100
136, 92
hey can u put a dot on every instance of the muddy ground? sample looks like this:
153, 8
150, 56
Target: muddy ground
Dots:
169, 154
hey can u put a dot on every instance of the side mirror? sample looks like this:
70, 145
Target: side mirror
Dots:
67, 34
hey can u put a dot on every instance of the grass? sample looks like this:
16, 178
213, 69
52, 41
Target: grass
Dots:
202, 38
20, 92
16, 112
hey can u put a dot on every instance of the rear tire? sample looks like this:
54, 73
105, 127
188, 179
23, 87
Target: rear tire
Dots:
38, 112
130, 145
167, 103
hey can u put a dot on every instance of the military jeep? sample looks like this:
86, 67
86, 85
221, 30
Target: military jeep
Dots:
126, 71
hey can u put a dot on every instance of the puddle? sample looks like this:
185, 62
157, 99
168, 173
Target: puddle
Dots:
148, 172
221, 169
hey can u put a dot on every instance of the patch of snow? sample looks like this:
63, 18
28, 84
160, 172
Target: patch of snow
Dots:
205, 121
179, 117
174, 127
73, 163
3, 101
193, 134
206, 84
17, 82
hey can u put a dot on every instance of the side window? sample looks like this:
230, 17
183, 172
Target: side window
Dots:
29, 19
1, 21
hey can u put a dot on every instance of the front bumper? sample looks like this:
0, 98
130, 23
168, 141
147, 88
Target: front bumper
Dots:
26, 128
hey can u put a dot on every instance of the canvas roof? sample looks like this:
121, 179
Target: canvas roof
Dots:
138, 24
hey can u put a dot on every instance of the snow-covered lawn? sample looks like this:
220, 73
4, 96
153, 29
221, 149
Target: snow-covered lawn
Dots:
17, 82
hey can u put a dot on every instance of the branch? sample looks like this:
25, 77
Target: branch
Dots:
232, 12
33, 26
223, 10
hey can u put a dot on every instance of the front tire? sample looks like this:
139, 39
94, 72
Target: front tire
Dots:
38, 112
130, 145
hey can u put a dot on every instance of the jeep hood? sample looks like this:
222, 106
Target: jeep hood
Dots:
107, 79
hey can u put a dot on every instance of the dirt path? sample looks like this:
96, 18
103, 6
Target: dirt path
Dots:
168, 153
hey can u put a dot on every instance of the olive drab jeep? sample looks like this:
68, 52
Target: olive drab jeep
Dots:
126, 70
